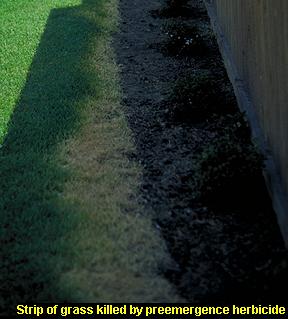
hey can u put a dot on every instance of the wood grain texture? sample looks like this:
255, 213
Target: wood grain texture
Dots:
257, 33
253, 37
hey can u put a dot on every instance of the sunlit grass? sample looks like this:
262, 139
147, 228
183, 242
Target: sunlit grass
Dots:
22, 23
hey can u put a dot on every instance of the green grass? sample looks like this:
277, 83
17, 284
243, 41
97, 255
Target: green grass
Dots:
71, 229
22, 24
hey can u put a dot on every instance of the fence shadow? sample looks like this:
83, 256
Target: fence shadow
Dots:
33, 225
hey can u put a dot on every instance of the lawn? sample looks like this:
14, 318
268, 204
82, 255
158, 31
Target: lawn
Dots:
68, 192
22, 24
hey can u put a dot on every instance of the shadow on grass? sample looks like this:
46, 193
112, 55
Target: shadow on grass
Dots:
34, 224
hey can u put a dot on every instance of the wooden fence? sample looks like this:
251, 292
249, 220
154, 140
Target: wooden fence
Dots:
253, 38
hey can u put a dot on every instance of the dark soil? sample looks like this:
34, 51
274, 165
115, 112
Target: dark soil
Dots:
228, 252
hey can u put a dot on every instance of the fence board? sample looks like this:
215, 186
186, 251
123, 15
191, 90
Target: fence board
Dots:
253, 34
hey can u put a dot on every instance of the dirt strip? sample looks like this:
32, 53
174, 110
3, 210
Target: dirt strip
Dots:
229, 253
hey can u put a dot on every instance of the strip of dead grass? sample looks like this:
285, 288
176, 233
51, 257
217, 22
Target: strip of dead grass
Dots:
123, 251
73, 230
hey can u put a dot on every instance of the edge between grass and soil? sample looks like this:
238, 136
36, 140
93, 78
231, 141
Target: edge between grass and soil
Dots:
72, 228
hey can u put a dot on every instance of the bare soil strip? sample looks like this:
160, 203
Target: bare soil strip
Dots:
231, 252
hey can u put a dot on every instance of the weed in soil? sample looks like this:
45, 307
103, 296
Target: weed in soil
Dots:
234, 123
184, 40
196, 97
227, 170
179, 9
